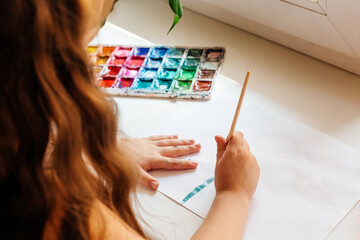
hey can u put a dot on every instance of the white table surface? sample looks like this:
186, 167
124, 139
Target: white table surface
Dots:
297, 86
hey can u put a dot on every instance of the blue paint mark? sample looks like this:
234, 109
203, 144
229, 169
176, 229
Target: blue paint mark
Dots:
172, 63
158, 52
141, 52
167, 74
147, 73
197, 189
153, 63
142, 84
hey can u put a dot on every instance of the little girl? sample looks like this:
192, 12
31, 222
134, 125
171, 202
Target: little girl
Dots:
63, 172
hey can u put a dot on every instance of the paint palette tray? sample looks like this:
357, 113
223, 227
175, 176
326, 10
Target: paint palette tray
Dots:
156, 71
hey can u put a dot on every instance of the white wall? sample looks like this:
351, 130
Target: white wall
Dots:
325, 29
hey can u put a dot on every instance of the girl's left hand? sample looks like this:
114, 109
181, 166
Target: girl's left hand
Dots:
159, 152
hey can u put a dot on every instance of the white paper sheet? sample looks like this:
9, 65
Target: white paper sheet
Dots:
308, 180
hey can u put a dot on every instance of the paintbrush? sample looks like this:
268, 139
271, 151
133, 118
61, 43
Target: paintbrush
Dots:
232, 129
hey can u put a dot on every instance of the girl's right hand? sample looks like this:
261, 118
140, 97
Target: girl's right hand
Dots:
237, 170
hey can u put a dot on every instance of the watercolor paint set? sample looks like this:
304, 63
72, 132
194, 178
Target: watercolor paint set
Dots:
157, 71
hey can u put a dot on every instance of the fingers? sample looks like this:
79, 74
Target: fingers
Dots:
164, 163
177, 151
221, 143
173, 164
237, 139
221, 146
174, 142
148, 181
161, 137
246, 146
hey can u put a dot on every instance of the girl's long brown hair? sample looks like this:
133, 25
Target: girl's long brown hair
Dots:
47, 93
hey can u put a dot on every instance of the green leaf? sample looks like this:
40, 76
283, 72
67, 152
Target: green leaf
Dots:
176, 19
176, 7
